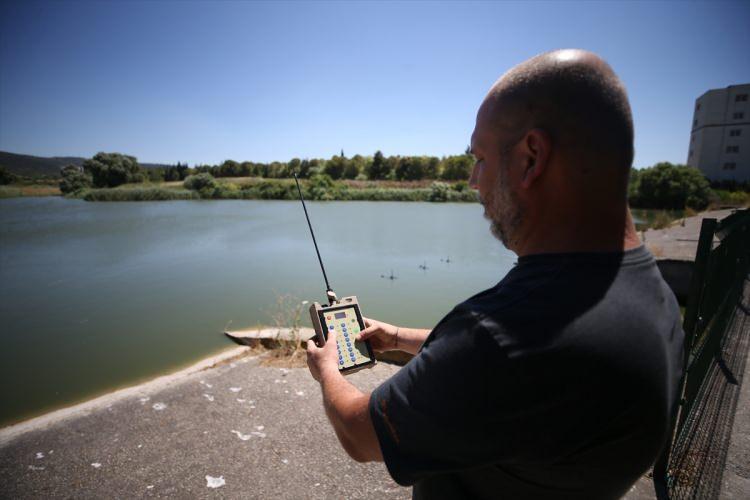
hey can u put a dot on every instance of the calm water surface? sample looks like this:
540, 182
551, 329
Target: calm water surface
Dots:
99, 295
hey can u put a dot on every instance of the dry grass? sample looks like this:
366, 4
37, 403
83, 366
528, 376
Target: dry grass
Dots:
286, 353
16, 190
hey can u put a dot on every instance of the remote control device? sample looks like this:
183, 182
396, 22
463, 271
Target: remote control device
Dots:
342, 316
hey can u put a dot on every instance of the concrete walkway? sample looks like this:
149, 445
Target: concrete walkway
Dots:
239, 430
679, 241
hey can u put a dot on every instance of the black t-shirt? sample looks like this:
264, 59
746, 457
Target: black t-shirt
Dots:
558, 382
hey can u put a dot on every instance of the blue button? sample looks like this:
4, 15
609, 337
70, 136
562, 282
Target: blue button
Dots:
330, 327
341, 361
343, 324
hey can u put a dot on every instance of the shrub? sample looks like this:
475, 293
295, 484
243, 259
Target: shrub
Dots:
74, 179
200, 182
461, 186
439, 191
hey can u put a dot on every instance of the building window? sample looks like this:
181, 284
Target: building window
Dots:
740, 98
735, 132
738, 116
730, 165
690, 155
695, 123
698, 107
733, 149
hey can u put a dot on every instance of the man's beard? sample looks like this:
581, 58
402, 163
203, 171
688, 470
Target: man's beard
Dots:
502, 208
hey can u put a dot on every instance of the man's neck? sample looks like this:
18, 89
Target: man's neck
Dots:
579, 231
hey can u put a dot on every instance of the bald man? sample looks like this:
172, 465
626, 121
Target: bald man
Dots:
561, 380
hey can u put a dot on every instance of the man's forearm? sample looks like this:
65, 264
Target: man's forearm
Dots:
410, 339
348, 411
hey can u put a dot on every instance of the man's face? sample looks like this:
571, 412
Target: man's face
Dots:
492, 178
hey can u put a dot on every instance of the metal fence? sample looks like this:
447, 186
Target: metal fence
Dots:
691, 465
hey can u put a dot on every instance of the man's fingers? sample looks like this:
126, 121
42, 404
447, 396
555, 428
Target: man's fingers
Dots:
367, 321
331, 337
367, 332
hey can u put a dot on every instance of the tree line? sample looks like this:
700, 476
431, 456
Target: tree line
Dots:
664, 185
376, 167
114, 169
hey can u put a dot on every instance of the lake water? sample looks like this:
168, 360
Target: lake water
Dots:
95, 296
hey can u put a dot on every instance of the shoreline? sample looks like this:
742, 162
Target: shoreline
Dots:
13, 431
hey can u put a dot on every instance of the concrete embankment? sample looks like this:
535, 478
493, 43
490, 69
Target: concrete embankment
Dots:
674, 248
230, 429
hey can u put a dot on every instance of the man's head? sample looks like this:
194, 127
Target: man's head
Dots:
553, 132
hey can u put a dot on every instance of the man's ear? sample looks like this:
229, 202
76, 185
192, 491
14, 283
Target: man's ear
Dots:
536, 146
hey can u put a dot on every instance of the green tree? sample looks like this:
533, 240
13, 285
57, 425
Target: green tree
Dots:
74, 179
294, 166
378, 168
113, 169
6, 177
412, 168
669, 186
457, 168
335, 167
353, 167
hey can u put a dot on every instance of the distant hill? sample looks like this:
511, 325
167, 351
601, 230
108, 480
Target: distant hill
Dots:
37, 166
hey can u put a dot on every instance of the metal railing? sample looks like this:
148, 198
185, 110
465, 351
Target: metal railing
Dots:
721, 266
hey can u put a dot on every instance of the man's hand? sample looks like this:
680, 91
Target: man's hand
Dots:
323, 360
382, 336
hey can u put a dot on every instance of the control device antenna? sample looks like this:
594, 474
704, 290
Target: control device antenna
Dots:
329, 291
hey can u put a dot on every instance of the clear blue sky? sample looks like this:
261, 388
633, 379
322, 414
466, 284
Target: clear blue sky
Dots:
201, 82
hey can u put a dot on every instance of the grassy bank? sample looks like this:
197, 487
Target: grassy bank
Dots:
285, 189
16, 190
139, 194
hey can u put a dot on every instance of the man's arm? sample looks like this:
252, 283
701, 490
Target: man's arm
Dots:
346, 406
387, 337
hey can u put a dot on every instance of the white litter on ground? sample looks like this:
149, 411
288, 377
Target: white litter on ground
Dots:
159, 406
299, 393
284, 461
215, 482
259, 434
260, 427
150, 487
144, 400
208, 396
36, 467
96, 465
39, 455
242, 436
235, 389
240, 400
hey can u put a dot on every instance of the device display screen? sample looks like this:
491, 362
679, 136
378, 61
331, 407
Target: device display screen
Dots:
346, 325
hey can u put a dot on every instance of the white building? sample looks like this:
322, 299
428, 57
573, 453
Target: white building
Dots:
720, 137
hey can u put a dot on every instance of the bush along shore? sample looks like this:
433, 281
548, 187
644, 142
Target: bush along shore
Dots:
320, 187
